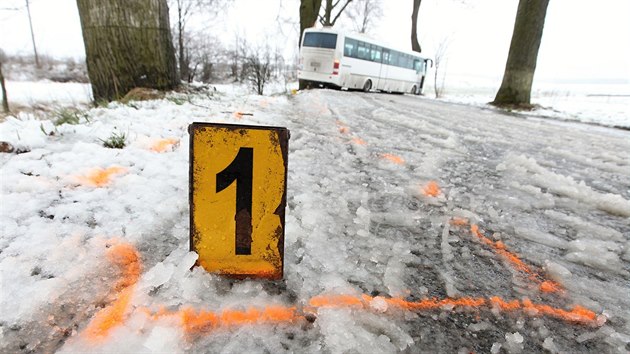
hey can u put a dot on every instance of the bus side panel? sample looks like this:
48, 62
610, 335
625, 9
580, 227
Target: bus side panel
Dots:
358, 71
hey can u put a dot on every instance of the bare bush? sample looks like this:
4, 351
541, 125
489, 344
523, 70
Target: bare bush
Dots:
258, 68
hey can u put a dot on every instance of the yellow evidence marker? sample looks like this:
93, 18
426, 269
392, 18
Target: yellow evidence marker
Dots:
238, 177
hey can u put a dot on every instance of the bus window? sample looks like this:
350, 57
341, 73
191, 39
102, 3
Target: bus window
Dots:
350, 48
417, 66
393, 58
364, 51
320, 40
375, 54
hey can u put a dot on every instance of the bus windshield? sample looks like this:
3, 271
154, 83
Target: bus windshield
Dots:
320, 40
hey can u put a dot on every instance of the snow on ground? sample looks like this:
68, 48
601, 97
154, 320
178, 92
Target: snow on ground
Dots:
601, 104
412, 225
46, 93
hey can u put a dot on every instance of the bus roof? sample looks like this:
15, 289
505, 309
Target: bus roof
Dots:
362, 37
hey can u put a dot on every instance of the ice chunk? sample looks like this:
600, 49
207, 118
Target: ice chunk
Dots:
496, 347
514, 342
549, 345
163, 340
158, 275
597, 254
379, 304
557, 272
540, 237
481, 326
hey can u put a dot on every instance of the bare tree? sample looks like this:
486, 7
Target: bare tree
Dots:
415, 45
30, 23
363, 14
127, 44
185, 10
521, 63
5, 99
327, 19
440, 62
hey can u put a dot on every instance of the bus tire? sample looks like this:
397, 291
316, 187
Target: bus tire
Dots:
367, 86
413, 90
303, 84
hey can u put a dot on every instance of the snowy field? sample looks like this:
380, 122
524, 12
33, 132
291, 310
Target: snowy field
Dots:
601, 104
413, 225
48, 94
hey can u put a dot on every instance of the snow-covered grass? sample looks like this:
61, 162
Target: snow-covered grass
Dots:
524, 221
602, 104
47, 96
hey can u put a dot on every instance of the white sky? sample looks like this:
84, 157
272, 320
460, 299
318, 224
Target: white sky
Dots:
582, 40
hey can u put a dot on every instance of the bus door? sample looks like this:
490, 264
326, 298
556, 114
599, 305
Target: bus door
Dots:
382, 81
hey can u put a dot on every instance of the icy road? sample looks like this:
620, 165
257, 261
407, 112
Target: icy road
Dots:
412, 226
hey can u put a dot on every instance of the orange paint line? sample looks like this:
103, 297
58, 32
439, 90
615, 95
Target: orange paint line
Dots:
544, 285
193, 322
196, 322
127, 259
99, 177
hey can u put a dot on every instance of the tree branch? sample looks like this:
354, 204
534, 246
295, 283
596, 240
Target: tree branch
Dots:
340, 11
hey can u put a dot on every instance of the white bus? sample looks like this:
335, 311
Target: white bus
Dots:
331, 58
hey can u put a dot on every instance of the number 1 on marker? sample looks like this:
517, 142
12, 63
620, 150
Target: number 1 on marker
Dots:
241, 171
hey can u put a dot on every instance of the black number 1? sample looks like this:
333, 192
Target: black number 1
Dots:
241, 170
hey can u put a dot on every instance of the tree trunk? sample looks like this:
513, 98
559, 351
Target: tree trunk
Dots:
127, 44
521, 63
309, 10
415, 45
5, 99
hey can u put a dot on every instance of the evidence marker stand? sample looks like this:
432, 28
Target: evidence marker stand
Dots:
237, 195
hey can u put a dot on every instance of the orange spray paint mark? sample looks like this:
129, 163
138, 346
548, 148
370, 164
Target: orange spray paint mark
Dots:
237, 115
499, 248
576, 314
457, 221
343, 129
431, 304
99, 177
431, 189
196, 322
338, 301
549, 286
393, 158
358, 141
127, 259
162, 145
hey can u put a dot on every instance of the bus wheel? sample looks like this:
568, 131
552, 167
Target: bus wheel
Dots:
413, 90
303, 84
367, 86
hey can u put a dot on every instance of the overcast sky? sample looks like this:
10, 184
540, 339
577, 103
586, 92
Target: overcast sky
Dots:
582, 40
